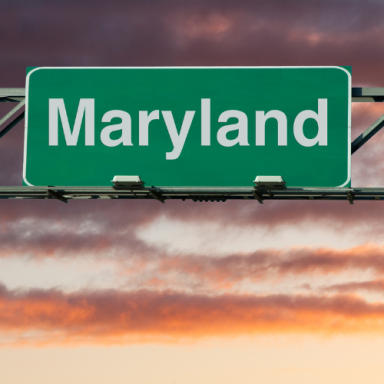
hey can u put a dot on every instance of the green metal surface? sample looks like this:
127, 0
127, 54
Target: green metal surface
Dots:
247, 89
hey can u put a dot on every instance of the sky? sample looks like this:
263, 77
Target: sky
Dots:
183, 292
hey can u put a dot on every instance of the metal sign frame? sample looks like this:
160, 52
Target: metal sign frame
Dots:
258, 193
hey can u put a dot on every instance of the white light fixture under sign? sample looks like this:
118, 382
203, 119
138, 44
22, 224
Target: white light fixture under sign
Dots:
269, 181
127, 182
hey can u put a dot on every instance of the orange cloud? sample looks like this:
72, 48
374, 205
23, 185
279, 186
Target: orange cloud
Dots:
103, 317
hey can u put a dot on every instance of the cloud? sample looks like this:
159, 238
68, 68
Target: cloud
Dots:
109, 317
370, 286
249, 272
112, 228
197, 32
192, 33
226, 271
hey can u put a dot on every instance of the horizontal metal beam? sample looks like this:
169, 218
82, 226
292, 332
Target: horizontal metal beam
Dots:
365, 94
12, 94
358, 94
195, 194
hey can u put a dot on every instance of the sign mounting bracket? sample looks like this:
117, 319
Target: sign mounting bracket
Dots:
157, 195
258, 196
56, 195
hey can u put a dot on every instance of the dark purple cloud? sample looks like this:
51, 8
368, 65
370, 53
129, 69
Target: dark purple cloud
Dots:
121, 33
190, 33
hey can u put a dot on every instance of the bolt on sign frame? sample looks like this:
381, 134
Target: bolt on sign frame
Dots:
259, 193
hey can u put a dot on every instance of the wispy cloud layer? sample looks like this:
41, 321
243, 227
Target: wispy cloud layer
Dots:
171, 295
51, 316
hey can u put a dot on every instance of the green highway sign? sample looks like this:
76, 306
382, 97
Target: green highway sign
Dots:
188, 126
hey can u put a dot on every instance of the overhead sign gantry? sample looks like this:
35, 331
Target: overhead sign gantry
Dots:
206, 134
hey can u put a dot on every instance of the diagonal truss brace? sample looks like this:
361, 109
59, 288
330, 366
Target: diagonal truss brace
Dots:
14, 121
367, 95
367, 134
12, 95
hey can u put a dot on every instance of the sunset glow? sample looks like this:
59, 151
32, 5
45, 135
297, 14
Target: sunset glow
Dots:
183, 292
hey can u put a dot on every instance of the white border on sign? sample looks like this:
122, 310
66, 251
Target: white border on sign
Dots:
264, 67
